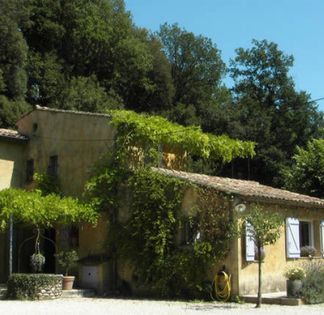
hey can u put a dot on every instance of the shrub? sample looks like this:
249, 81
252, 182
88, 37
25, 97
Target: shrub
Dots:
67, 260
313, 284
23, 286
296, 273
307, 251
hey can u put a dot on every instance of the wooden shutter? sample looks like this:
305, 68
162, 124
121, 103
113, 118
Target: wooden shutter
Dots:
292, 235
322, 237
249, 242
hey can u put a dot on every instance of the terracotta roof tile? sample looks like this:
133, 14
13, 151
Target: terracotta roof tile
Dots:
12, 134
248, 189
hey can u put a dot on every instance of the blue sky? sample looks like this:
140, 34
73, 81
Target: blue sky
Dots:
297, 26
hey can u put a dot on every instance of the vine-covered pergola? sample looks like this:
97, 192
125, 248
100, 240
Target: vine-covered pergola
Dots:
40, 211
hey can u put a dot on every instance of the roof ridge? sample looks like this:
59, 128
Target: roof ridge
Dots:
250, 190
58, 110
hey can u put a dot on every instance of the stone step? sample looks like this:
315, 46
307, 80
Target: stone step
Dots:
279, 298
78, 293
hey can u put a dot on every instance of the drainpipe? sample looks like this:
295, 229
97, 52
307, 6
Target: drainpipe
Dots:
10, 243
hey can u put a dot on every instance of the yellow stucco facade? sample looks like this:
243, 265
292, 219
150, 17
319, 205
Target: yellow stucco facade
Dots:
75, 142
11, 174
276, 261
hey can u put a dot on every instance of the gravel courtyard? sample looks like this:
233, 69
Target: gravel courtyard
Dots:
87, 306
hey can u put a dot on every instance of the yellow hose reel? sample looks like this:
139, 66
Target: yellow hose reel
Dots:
221, 288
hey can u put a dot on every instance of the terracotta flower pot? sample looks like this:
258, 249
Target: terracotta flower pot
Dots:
68, 282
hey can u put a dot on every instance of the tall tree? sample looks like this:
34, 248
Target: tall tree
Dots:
81, 38
196, 68
269, 109
13, 60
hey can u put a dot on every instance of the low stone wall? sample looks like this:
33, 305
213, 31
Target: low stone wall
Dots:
51, 291
34, 286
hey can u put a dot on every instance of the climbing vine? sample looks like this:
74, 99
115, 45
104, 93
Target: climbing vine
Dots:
146, 218
149, 134
32, 207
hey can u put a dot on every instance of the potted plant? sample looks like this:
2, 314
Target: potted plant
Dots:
294, 281
37, 261
67, 260
308, 251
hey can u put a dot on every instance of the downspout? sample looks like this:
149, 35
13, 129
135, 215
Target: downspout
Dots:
10, 244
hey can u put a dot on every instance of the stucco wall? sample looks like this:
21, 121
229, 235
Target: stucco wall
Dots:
79, 140
276, 261
11, 175
12, 169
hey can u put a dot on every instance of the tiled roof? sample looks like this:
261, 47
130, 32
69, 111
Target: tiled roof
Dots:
12, 134
249, 190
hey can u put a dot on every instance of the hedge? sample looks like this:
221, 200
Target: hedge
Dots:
34, 286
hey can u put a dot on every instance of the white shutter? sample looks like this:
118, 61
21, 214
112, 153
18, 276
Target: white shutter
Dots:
292, 234
322, 237
249, 242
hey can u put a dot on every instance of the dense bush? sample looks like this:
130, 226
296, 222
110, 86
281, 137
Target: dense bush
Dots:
29, 286
313, 284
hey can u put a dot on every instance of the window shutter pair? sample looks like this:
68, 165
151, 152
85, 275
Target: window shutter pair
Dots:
292, 237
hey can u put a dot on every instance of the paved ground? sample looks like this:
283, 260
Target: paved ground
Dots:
89, 306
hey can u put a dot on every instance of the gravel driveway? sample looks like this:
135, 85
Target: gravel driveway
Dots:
88, 306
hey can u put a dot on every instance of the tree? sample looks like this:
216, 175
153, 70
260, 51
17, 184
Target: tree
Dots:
13, 60
196, 69
263, 227
70, 40
306, 175
269, 110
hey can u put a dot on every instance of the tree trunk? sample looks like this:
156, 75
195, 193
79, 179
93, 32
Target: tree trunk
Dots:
259, 277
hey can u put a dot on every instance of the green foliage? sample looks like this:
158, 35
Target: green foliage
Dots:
296, 273
307, 173
37, 261
11, 110
313, 284
151, 131
45, 211
264, 229
29, 286
148, 238
67, 260
47, 184
196, 64
265, 225
267, 109
307, 251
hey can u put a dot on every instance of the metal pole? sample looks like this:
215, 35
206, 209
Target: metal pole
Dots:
10, 243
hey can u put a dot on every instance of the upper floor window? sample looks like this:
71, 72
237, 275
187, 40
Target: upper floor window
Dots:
52, 169
29, 170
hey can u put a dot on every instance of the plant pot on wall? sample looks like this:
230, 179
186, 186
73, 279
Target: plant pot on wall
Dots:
68, 282
294, 288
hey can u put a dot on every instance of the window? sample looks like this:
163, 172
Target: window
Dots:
52, 169
298, 234
305, 233
29, 170
189, 232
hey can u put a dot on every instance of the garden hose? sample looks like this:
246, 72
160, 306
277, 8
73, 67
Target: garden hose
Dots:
221, 287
